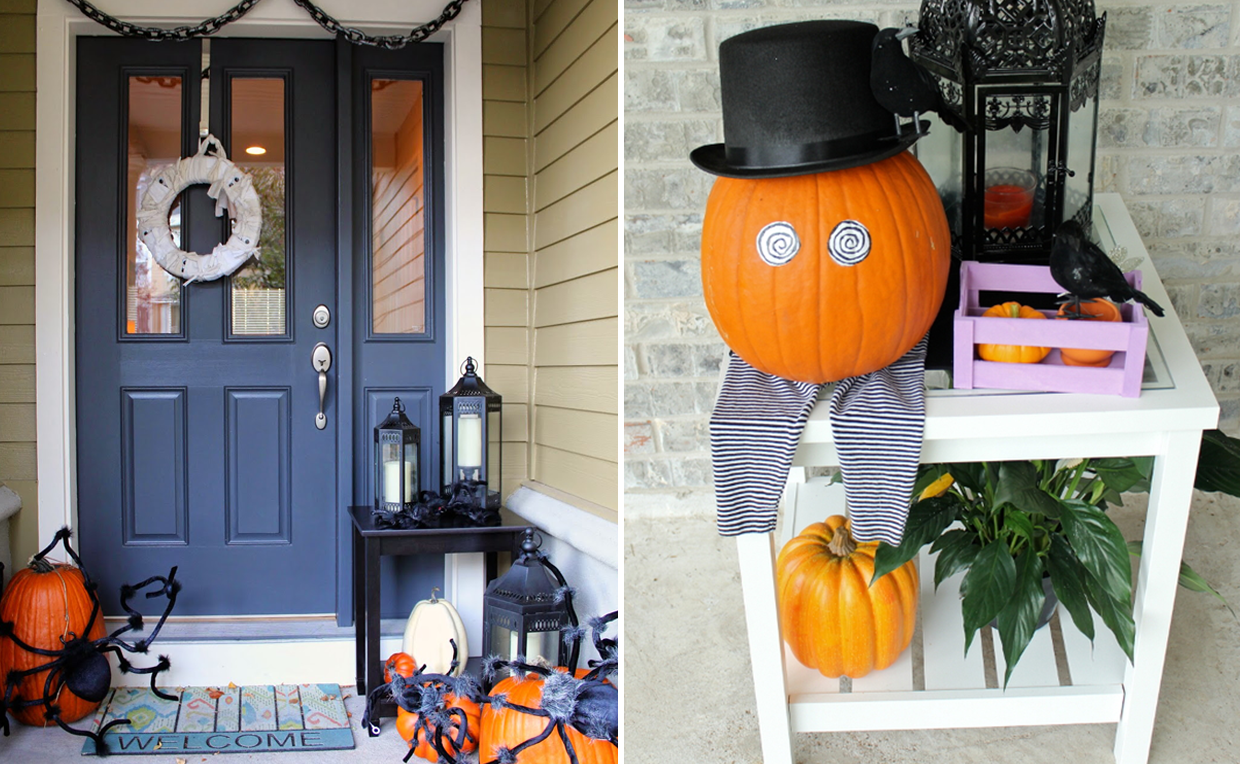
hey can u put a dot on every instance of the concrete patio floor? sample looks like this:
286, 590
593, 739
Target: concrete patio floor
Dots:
35, 744
688, 686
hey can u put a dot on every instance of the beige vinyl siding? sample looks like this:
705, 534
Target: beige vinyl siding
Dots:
575, 131
17, 139
506, 276
550, 145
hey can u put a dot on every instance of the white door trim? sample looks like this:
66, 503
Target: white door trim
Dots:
59, 24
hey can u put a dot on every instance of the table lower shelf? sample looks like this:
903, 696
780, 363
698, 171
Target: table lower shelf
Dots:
1060, 679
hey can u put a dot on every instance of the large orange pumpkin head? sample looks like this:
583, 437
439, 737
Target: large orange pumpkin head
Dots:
820, 277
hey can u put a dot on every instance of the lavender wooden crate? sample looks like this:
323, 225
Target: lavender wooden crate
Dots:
1127, 337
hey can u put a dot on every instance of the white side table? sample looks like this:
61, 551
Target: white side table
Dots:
1060, 680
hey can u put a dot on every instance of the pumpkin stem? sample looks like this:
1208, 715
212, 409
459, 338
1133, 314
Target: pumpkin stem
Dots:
842, 544
434, 599
41, 565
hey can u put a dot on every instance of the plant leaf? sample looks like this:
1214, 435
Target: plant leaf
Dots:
1099, 546
1189, 578
926, 521
988, 586
1120, 474
1218, 466
1068, 577
968, 474
1018, 523
956, 551
1019, 617
1115, 614
927, 474
1018, 486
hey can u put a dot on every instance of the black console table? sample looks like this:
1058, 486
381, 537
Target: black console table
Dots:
370, 543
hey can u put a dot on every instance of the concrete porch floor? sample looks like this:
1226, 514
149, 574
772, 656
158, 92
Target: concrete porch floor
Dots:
36, 744
688, 686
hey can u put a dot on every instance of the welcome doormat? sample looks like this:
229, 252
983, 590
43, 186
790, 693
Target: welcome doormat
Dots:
208, 720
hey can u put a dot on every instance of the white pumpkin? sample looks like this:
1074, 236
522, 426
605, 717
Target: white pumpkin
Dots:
431, 625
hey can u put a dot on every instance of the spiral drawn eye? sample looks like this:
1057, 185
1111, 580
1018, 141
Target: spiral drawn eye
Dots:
778, 243
849, 243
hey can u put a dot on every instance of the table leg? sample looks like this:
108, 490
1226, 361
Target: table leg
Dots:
1166, 522
756, 553
359, 611
374, 676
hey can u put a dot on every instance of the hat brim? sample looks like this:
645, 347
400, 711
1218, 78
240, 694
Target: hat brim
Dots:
713, 159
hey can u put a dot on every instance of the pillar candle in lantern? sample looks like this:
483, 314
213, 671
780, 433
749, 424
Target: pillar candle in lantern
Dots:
469, 441
391, 481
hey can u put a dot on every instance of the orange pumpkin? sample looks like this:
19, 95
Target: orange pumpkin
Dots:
423, 744
1097, 309
820, 277
508, 727
399, 663
45, 602
830, 615
1012, 353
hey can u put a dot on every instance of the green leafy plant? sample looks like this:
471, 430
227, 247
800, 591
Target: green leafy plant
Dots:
1008, 525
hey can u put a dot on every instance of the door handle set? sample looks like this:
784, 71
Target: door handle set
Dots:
321, 360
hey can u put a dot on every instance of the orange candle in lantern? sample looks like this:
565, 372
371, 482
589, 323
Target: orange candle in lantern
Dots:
1009, 204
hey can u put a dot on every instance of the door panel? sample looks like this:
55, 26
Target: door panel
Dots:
398, 276
200, 450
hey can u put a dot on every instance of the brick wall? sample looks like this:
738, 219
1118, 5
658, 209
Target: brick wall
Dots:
1168, 143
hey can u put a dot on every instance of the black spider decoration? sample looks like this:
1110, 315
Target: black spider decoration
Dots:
588, 704
440, 721
456, 507
81, 665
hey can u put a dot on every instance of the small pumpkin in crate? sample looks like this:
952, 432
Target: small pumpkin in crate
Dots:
820, 277
1012, 353
1097, 309
48, 605
434, 632
830, 615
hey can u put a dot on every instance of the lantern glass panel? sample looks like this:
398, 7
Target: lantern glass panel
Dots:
494, 433
539, 645
445, 448
941, 154
1081, 128
411, 472
1014, 178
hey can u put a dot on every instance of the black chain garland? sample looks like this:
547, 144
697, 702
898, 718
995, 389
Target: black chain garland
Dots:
211, 26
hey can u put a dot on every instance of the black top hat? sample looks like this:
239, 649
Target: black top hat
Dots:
797, 100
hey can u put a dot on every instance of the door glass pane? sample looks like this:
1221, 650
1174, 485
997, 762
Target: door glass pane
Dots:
259, 287
152, 295
398, 241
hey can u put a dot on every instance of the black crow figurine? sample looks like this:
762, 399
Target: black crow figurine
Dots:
1085, 272
903, 87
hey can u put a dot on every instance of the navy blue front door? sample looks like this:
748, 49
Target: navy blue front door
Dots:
197, 441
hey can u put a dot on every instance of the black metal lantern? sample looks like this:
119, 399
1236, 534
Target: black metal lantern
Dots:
523, 611
1023, 75
398, 443
471, 436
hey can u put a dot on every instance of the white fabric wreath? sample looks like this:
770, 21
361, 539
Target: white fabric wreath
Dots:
233, 190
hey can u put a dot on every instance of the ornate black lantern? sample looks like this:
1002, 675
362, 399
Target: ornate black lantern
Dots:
524, 610
1023, 75
471, 436
397, 445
